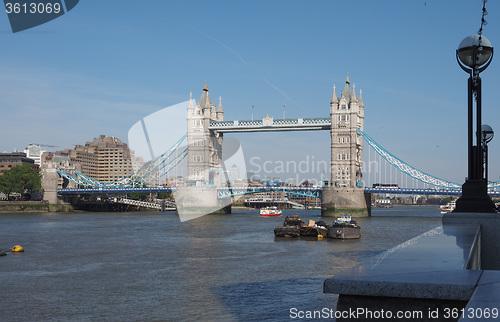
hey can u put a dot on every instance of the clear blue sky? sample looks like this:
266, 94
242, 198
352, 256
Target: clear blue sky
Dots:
106, 64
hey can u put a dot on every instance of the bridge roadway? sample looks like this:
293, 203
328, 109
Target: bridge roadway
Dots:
236, 191
269, 124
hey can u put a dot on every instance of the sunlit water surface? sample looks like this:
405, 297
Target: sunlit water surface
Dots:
150, 266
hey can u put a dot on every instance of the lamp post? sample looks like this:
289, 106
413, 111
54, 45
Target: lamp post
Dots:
474, 54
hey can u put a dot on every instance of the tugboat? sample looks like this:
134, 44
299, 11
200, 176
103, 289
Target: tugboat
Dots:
344, 228
291, 227
318, 228
270, 212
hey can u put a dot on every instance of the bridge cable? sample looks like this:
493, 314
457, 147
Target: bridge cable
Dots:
406, 168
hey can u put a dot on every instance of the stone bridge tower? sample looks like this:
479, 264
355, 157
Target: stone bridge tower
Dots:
345, 192
204, 146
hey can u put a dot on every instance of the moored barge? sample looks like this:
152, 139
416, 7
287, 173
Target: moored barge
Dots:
291, 227
344, 228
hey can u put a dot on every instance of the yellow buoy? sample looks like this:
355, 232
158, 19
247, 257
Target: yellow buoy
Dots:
17, 249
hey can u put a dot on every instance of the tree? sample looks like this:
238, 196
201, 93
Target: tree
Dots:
137, 195
20, 179
165, 195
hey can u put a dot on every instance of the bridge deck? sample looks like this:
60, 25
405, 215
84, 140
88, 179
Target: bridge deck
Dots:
234, 191
270, 125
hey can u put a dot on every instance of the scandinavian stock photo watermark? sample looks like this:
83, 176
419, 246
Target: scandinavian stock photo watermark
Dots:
203, 168
194, 164
310, 168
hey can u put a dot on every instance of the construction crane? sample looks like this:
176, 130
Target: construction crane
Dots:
47, 145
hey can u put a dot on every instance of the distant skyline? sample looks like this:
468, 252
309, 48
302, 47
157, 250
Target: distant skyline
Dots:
105, 65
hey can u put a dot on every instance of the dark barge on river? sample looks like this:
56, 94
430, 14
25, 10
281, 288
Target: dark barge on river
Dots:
342, 228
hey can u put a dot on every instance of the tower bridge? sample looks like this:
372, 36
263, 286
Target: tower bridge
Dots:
205, 182
344, 192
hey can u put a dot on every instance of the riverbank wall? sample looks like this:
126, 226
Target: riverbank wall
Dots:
452, 268
34, 206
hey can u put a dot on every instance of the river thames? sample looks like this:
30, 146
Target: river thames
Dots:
148, 266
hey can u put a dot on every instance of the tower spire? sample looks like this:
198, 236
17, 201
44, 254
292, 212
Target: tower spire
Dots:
219, 109
360, 100
205, 101
190, 104
346, 93
334, 96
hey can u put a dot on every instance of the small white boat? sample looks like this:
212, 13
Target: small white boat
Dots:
449, 207
270, 212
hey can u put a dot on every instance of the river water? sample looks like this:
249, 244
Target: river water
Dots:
148, 266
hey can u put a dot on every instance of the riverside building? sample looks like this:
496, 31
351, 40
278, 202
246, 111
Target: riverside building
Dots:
106, 159
9, 160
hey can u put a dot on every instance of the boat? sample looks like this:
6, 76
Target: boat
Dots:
382, 203
318, 228
449, 207
291, 227
270, 212
344, 228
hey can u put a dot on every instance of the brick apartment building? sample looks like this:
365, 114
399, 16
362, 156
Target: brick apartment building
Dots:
105, 158
9, 160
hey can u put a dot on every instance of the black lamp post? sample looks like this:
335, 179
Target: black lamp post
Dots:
474, 54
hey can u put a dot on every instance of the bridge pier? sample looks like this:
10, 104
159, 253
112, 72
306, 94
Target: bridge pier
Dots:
49, 184
194, 202
344, 201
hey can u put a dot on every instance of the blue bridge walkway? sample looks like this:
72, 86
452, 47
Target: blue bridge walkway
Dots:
314, 192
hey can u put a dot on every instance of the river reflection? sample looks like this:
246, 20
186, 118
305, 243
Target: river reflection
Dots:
150, 266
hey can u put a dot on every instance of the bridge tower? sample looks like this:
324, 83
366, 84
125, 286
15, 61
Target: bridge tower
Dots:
204, 145
204, 165
345, 192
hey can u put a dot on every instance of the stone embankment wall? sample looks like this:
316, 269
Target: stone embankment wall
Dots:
9, 207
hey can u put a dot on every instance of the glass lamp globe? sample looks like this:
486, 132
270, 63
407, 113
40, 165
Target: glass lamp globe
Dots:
487, 133
467, 48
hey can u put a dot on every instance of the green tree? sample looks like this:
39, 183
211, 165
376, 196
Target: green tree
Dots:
138, 195
20, 179
444, 201
165, 195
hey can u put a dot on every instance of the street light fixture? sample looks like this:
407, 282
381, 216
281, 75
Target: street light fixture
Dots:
474, 55
474, 52
487, 132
